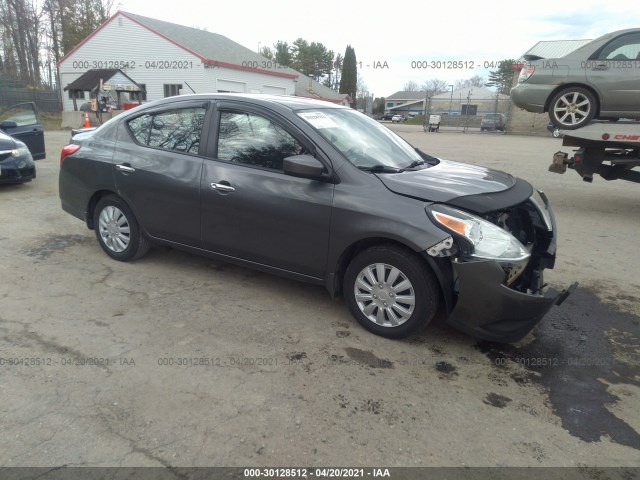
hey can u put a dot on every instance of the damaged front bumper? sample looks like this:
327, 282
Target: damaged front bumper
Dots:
488, 309
495, 301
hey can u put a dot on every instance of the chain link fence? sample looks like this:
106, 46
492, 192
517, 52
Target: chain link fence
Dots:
45, 100
467, 112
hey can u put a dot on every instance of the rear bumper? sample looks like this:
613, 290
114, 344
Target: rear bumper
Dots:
488, 309
530, 96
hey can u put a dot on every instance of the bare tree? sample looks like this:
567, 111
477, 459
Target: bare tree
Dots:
475, 81
411, 86
34, 34
21, 34
435, 86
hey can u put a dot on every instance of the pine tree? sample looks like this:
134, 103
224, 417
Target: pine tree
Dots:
502, 78
349, 76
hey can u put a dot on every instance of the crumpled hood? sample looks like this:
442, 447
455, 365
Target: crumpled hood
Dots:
447, 181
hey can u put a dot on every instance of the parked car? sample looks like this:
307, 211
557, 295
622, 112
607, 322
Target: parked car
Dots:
387, 116
493, 121
598, 80
22, 123
397, 118
320, 193
16, 162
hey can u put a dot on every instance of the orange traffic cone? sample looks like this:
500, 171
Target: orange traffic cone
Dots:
87, 123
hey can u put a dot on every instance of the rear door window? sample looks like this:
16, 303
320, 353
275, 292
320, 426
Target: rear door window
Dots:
178, 129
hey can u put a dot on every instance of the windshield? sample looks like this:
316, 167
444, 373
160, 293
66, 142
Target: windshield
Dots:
362, 141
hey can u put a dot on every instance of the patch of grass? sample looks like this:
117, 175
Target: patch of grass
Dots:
417, 120
50, 120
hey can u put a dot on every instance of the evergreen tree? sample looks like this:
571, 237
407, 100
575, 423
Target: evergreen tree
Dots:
282, 53
502, 78
349, 76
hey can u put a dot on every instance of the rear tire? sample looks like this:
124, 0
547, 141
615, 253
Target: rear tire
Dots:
572, 108
390, 291
118, 231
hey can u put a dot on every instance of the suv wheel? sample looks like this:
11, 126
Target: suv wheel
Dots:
118, 231
390, 291
572, 108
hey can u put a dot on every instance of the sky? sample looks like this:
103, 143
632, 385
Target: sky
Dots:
403, 36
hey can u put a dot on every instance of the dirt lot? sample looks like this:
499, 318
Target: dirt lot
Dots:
175, 360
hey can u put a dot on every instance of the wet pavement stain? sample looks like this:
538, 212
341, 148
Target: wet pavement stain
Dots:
55, 243
446, 370
367, 358
578, 349
496, 400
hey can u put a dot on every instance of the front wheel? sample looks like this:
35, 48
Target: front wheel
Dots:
118, 231
572, 108
390, 291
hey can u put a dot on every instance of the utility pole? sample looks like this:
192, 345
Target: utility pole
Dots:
450, 102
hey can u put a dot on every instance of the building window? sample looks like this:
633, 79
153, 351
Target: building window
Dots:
172, 89
77, 94
469, 110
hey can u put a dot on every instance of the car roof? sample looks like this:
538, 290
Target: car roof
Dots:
287, 101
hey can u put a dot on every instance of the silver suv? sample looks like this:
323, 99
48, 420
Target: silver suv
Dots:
598, 80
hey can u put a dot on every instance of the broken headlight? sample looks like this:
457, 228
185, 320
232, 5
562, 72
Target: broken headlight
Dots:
483, 239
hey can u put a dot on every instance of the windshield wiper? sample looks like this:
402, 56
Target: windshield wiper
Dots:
380, 169
415, 163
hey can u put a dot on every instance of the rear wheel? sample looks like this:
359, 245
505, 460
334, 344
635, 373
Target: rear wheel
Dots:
118, 231
390, 291
572, 108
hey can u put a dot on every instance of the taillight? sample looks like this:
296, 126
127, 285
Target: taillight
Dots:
526, 73
68, 150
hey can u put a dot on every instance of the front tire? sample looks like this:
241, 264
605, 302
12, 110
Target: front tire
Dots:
118, 231
572, 108
390, 291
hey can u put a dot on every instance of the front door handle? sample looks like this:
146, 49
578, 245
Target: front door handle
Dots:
601, 66
222, 187
125, 168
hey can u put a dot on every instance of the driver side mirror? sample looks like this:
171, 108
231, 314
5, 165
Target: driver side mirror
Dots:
305, 166
8, 124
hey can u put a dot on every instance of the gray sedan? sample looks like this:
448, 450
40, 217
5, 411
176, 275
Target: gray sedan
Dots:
323, 194
598, 80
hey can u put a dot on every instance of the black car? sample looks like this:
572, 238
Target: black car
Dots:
323, 194
21, 121
16, 162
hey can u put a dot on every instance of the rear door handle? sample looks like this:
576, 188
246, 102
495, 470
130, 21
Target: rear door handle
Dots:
222, 187
125, 168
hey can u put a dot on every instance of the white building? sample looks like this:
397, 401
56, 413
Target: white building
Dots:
166, 59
